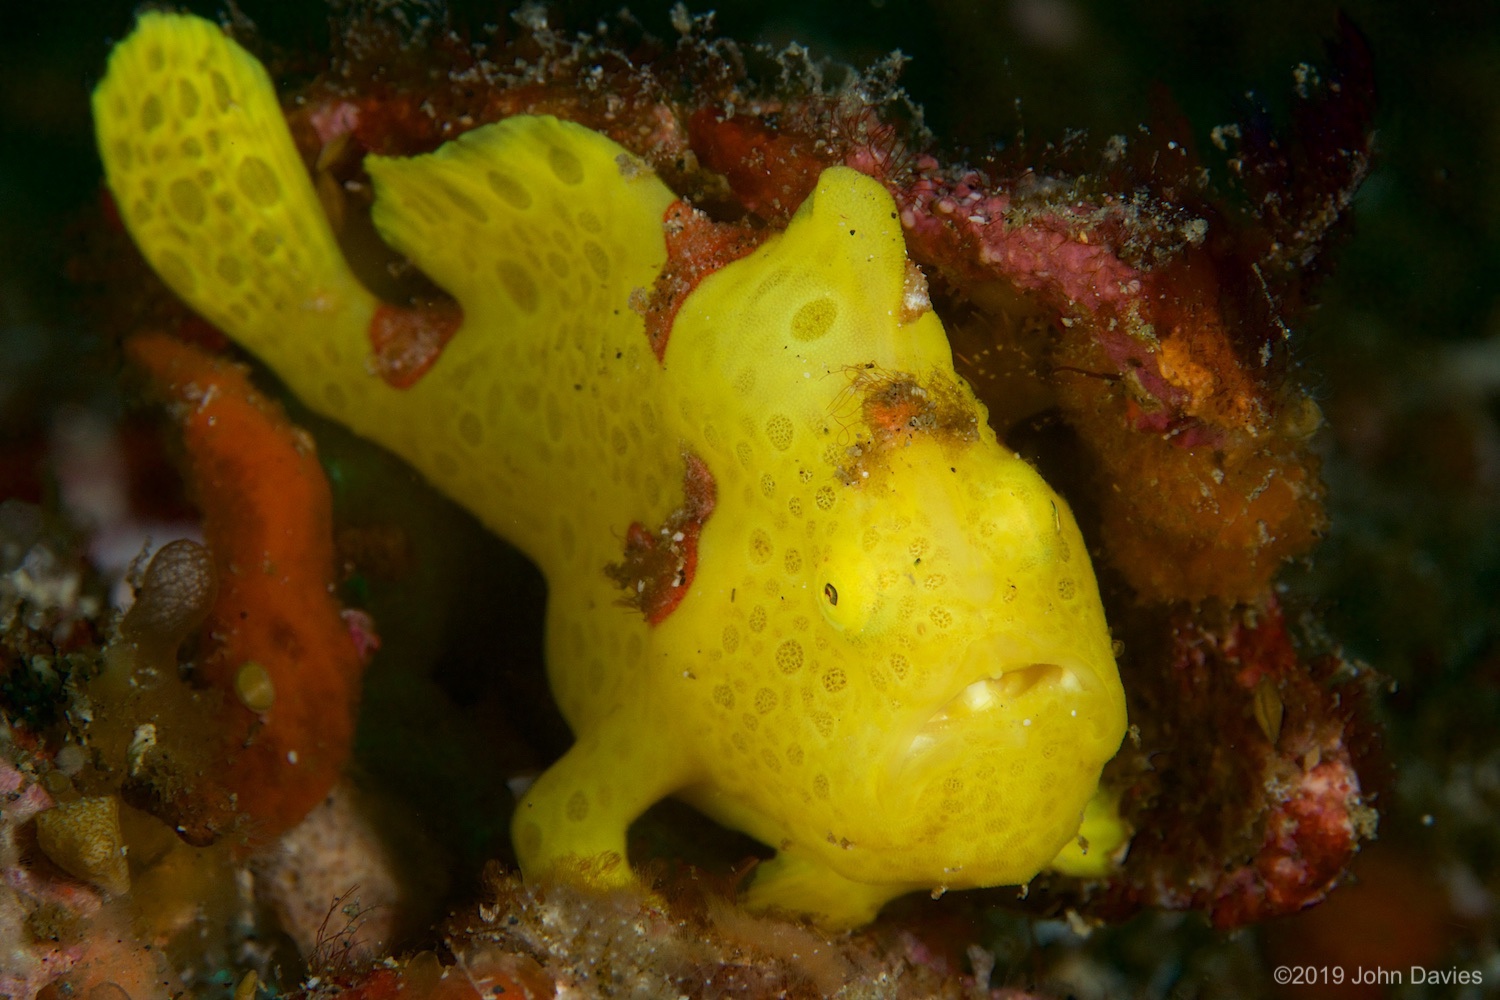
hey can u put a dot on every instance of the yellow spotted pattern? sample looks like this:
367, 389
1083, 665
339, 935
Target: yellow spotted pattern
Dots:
892, 665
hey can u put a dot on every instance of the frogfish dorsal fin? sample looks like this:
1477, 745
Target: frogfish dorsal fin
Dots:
525, 219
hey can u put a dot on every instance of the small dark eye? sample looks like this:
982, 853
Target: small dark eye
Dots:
830, 592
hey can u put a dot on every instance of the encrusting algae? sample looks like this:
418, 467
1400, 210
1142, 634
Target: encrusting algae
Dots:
793, 577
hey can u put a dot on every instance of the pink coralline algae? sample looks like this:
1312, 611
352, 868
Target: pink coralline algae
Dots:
1050, 253
1307, 847
1281, 741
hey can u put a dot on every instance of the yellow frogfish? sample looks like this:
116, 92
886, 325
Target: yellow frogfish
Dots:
793, 577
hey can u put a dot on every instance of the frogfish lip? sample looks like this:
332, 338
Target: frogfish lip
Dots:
1006, 689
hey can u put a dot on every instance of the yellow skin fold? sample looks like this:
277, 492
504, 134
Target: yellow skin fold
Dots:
892, 665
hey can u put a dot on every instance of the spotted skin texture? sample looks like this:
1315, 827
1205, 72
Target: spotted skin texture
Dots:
890, 662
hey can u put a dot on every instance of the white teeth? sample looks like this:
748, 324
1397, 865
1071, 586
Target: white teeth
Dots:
984, 695
995, 693
978, 696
